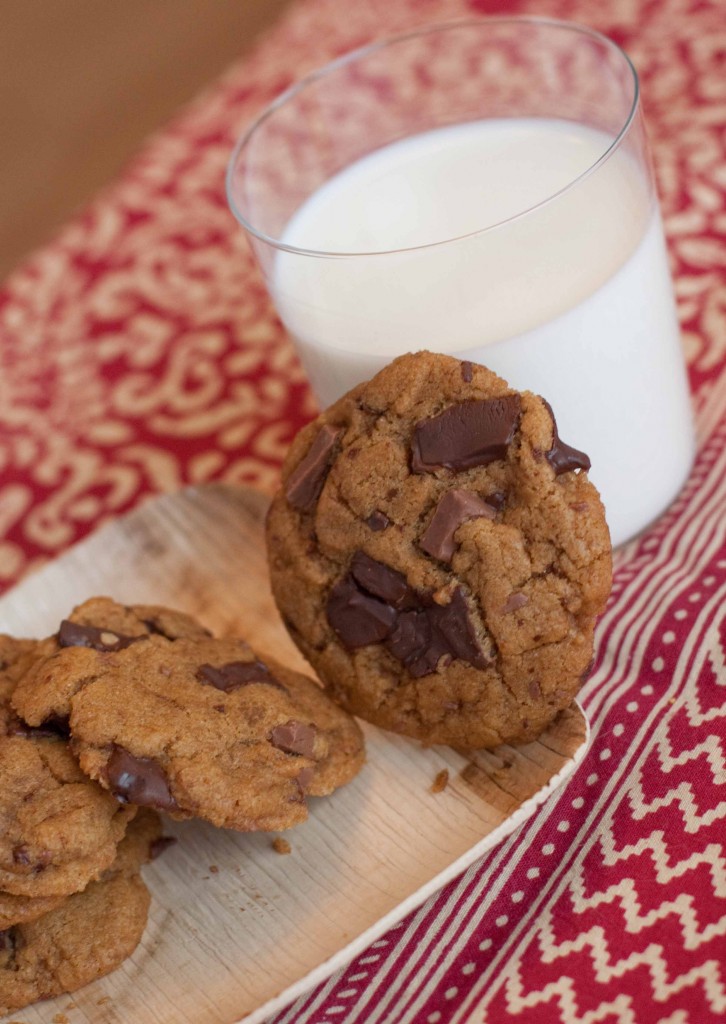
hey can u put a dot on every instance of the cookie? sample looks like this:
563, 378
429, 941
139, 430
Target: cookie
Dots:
88, 935
103, 625
58, 829
198, 728
439, 555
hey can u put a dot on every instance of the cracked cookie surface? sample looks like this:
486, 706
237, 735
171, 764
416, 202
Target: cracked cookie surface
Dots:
439, 555
88, 935
101, 624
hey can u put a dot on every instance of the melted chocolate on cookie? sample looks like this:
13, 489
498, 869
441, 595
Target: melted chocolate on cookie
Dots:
306, 481
563, 457
234, 674
73, 634
138, 780
374, 604
454, 508
468, 434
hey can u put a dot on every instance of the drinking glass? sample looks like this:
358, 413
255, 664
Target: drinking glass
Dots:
481, 188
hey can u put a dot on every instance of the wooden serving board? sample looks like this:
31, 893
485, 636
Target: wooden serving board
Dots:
237, 930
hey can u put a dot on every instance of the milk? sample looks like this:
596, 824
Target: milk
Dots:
568, 296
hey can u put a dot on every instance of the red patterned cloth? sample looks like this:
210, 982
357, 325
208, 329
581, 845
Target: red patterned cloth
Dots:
139, 353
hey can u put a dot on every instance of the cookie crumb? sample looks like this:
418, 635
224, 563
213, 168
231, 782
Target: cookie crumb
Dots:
214, 869
441, 781
60, 1018
103, 1001
280, 845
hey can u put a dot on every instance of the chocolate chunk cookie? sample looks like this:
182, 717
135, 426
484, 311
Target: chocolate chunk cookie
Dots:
99, 624
439, 555
87, 935
197, 728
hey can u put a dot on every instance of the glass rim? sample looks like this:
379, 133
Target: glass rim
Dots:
380, 44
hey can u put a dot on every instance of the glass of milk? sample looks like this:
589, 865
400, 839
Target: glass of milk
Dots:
481, 188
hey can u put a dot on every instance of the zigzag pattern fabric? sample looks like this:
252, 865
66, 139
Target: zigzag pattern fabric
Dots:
140, 352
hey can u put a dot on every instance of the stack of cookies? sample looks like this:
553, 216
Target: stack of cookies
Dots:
127, 711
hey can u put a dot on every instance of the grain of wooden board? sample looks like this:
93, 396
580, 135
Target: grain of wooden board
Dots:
237, 930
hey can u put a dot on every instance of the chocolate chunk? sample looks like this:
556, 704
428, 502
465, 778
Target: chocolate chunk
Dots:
455, 508
356, 617
513, 602
497, 499
304, 778
420, 639
235, 674
15, 726
453, 626
55, 725
138, 780
21, 855
73, 634
160, 845
417, 632
380, 580
472, 433
467, 371
155, 626
410, 636
306, 481
563, 457
9, 940
53, 728
413, 643
378, 521
294, 738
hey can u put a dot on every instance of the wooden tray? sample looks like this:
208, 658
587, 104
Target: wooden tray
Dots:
236, 929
